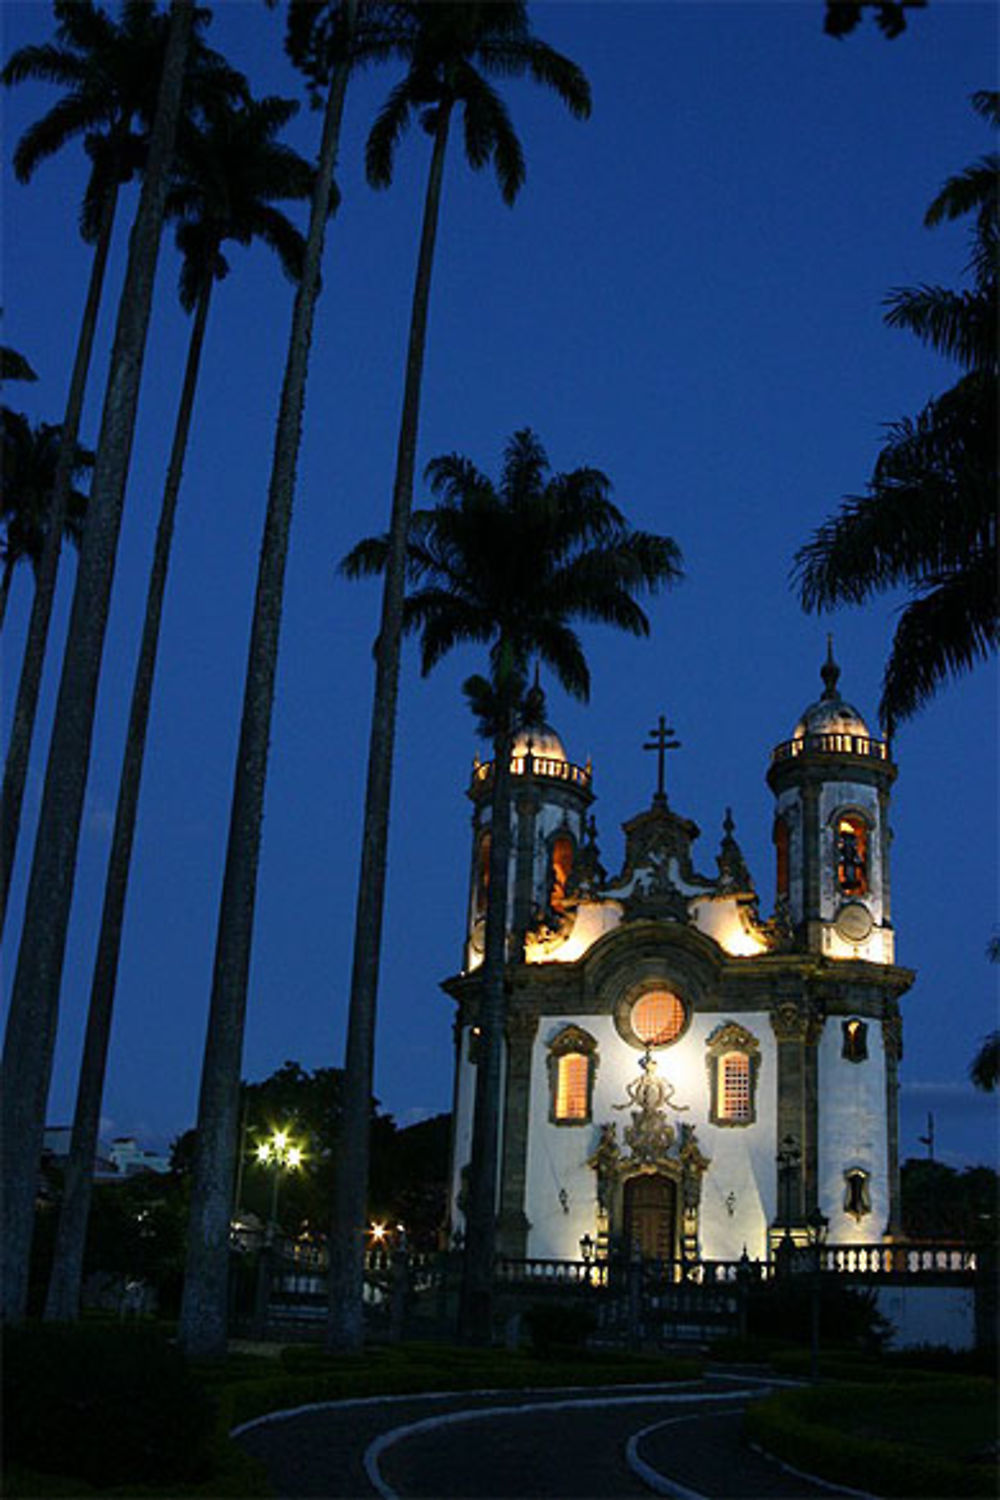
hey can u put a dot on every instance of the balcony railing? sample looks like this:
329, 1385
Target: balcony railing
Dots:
536, 765
831, 744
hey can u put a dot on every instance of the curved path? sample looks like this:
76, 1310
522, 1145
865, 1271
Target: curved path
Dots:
681, 1440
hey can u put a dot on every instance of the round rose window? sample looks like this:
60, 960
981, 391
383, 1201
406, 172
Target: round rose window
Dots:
658, 1018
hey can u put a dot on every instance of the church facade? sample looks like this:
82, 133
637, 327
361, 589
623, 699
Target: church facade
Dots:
685, 1079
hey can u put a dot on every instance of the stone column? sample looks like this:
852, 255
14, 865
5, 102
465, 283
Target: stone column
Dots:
892, 1040
811, 866
526, 803
513, 1225
885, 839
797, 1029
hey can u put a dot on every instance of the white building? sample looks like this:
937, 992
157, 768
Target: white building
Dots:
683, 1077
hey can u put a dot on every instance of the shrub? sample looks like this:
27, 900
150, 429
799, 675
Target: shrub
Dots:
849, 1316
554, 1326
106, 1405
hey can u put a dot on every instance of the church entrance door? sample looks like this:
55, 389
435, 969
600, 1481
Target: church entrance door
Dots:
650, 1212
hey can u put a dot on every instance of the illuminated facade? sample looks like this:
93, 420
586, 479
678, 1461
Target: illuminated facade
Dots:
682, 1076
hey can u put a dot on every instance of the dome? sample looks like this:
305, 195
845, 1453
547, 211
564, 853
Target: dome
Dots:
830, 714
545, 744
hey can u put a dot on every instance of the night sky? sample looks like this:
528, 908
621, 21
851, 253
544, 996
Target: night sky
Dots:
688, 295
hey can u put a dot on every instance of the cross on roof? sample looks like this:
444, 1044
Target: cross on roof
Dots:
661, 742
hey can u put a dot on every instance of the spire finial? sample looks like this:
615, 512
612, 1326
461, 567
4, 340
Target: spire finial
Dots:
727, 823
829, 671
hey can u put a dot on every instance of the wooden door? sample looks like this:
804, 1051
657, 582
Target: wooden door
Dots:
650, 1210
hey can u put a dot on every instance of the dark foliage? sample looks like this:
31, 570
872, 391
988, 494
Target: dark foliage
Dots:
554, 1327
843, 16
782, 1309
940, 1202
110, 1406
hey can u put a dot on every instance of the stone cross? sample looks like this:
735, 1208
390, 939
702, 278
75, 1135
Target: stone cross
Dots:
661, 742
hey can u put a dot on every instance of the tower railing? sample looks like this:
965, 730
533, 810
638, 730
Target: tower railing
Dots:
550, 767
831, 744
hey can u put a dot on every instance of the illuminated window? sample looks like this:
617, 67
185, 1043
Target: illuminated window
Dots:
658, 1018
855, 1047
733, 1064
482, 873
560, 870
734, 1101
572, 1063
852, 854
781, 855
572, 1086
857, 1193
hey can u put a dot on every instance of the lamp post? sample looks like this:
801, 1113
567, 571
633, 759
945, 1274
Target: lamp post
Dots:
278, 1154
817, 1224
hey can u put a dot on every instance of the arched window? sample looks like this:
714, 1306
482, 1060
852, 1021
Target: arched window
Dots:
733, 1063
855, 1048
572, 1063
482, 873
734, 1090
857, 1193
781, 856
852, 854
560, 870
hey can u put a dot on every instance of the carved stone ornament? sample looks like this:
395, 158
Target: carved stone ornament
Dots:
654, 894
796, 1020
779, 930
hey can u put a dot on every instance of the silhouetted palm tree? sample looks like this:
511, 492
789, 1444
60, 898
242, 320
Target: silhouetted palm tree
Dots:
929, 517
329, 40
510, 567
111, 75
32, 1019
455, 49
229, 176
27, 472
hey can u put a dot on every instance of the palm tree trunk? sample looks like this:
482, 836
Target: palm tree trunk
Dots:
31, 1024
476, 1303
5, 577
63, 1300
345, 1328
29, 685
202, 1330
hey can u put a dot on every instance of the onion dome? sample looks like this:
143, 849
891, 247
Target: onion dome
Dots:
830, 714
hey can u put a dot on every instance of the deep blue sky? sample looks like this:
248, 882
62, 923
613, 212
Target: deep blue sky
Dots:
688, 295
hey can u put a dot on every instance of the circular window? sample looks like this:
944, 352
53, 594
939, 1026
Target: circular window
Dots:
658, 1018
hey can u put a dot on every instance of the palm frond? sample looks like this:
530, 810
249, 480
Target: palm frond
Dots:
366, 558
387, 132
941, 635
489, 133
961, 325
986, 103
967, 192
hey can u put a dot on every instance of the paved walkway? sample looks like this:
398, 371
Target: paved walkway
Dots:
583, 1444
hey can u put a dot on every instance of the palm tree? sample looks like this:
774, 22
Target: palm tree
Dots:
111, 73
29, 460
510, 567
31, 1023
455, 49
328, 40
929, 517
14, 366
229, 176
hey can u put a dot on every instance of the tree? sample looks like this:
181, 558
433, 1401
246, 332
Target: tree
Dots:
510, 567
29, 460
929, 517
345, 43
455, 49
843, 16
14, 366
31, 1023
111, 73
229, 176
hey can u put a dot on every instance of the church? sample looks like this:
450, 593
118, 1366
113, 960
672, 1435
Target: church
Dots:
684, 1078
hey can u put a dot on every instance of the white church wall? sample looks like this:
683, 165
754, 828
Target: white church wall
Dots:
852, 1133
465, 1104
741, 1157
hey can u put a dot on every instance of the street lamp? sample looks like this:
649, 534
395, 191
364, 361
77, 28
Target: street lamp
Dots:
817, 1225
280, 1154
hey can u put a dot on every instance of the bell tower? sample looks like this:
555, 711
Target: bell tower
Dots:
551, 841
831, 783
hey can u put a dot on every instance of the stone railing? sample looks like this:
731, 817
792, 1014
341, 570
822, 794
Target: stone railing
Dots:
831, 744
549, 767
